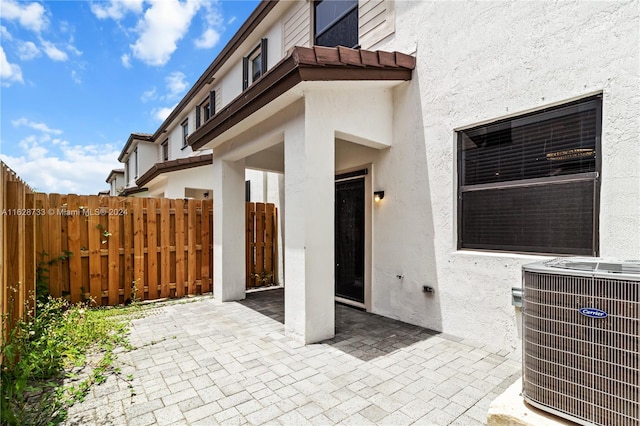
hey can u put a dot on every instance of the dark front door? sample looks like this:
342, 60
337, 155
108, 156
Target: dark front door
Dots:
349, 239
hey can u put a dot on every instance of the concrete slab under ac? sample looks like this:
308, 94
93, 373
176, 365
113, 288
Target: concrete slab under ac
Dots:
510, 409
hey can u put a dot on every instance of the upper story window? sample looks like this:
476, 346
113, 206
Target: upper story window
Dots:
531, 183
336, 23
135, 164
206, 109
164, 148
185, 132
254, 65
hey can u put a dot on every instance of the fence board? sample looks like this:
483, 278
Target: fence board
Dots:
112, 238
250, 214
30, 262
14, 273
138, 246
54, 218
180, 270
268, 239
95, 271
165, 257
207, 243
127, 218
192, 219
75, 261
152, 249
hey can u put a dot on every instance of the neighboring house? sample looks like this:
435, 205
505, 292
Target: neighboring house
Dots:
116, 182
138, 154
500, 133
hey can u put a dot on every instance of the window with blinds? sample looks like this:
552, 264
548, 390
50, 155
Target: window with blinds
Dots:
530, 184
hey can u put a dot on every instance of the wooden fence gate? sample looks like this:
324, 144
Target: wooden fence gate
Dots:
261, 244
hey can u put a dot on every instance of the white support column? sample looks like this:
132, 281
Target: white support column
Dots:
228, 230
308, 219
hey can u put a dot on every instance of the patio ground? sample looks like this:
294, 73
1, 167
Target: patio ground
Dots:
206, 362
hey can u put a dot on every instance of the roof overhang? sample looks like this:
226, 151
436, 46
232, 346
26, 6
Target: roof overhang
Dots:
304, 64
257, 16
159, 169
134, 137
114, 174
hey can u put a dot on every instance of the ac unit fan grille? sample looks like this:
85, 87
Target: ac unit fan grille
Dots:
586, 369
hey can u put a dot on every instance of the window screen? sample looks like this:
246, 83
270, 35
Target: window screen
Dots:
530, 184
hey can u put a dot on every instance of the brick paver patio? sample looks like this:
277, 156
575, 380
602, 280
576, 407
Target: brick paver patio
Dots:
206, 362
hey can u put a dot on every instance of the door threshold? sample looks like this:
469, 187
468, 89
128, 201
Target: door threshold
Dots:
350, 302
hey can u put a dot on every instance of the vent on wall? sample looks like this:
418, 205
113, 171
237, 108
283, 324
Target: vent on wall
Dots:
581, 339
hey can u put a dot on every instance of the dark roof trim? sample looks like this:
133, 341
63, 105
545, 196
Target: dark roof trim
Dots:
305, 64
113, 173
143, 137
240, 36
174, 165
133, 190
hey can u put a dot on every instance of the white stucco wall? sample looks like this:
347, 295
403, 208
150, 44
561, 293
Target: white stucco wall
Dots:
173, 184
484, 61
147, 157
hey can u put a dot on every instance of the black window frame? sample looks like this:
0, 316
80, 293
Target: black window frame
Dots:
590, 177
332, 24
164, 150
260, 51
206, 109
135, 163
185, 132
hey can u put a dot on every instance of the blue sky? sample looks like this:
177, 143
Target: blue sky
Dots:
77, 77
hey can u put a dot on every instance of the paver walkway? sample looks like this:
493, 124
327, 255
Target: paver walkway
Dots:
206, 362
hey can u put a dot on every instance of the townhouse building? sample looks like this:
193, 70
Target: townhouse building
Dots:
425, 152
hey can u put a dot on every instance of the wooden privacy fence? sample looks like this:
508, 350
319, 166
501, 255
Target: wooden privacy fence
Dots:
261, 244
124, 248
17, 248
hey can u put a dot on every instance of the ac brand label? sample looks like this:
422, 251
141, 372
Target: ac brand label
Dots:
593, 313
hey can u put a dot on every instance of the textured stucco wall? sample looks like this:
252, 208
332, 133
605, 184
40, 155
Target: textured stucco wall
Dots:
480, 61
196, 177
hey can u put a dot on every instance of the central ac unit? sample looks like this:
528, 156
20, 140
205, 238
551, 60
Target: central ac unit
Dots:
581, 339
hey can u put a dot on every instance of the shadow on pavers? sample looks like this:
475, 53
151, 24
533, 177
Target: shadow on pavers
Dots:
360, 334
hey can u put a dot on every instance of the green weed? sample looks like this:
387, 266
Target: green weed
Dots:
44, 349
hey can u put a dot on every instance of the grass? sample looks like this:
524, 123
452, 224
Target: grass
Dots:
43, 353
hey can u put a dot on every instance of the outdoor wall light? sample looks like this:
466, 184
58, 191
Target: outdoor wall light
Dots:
378, 195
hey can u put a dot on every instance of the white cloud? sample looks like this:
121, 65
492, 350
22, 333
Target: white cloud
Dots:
231, 20
161, 114
53, 52
163, 25
6, 35
208, 39
42, 127
126, 60
149, 95
176, 84
74, 76
116, 9
31, 16
27, 50
213, 19
9, 73
56, 165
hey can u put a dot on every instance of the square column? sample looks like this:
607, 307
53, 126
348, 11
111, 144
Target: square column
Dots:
309, 180
228, 230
